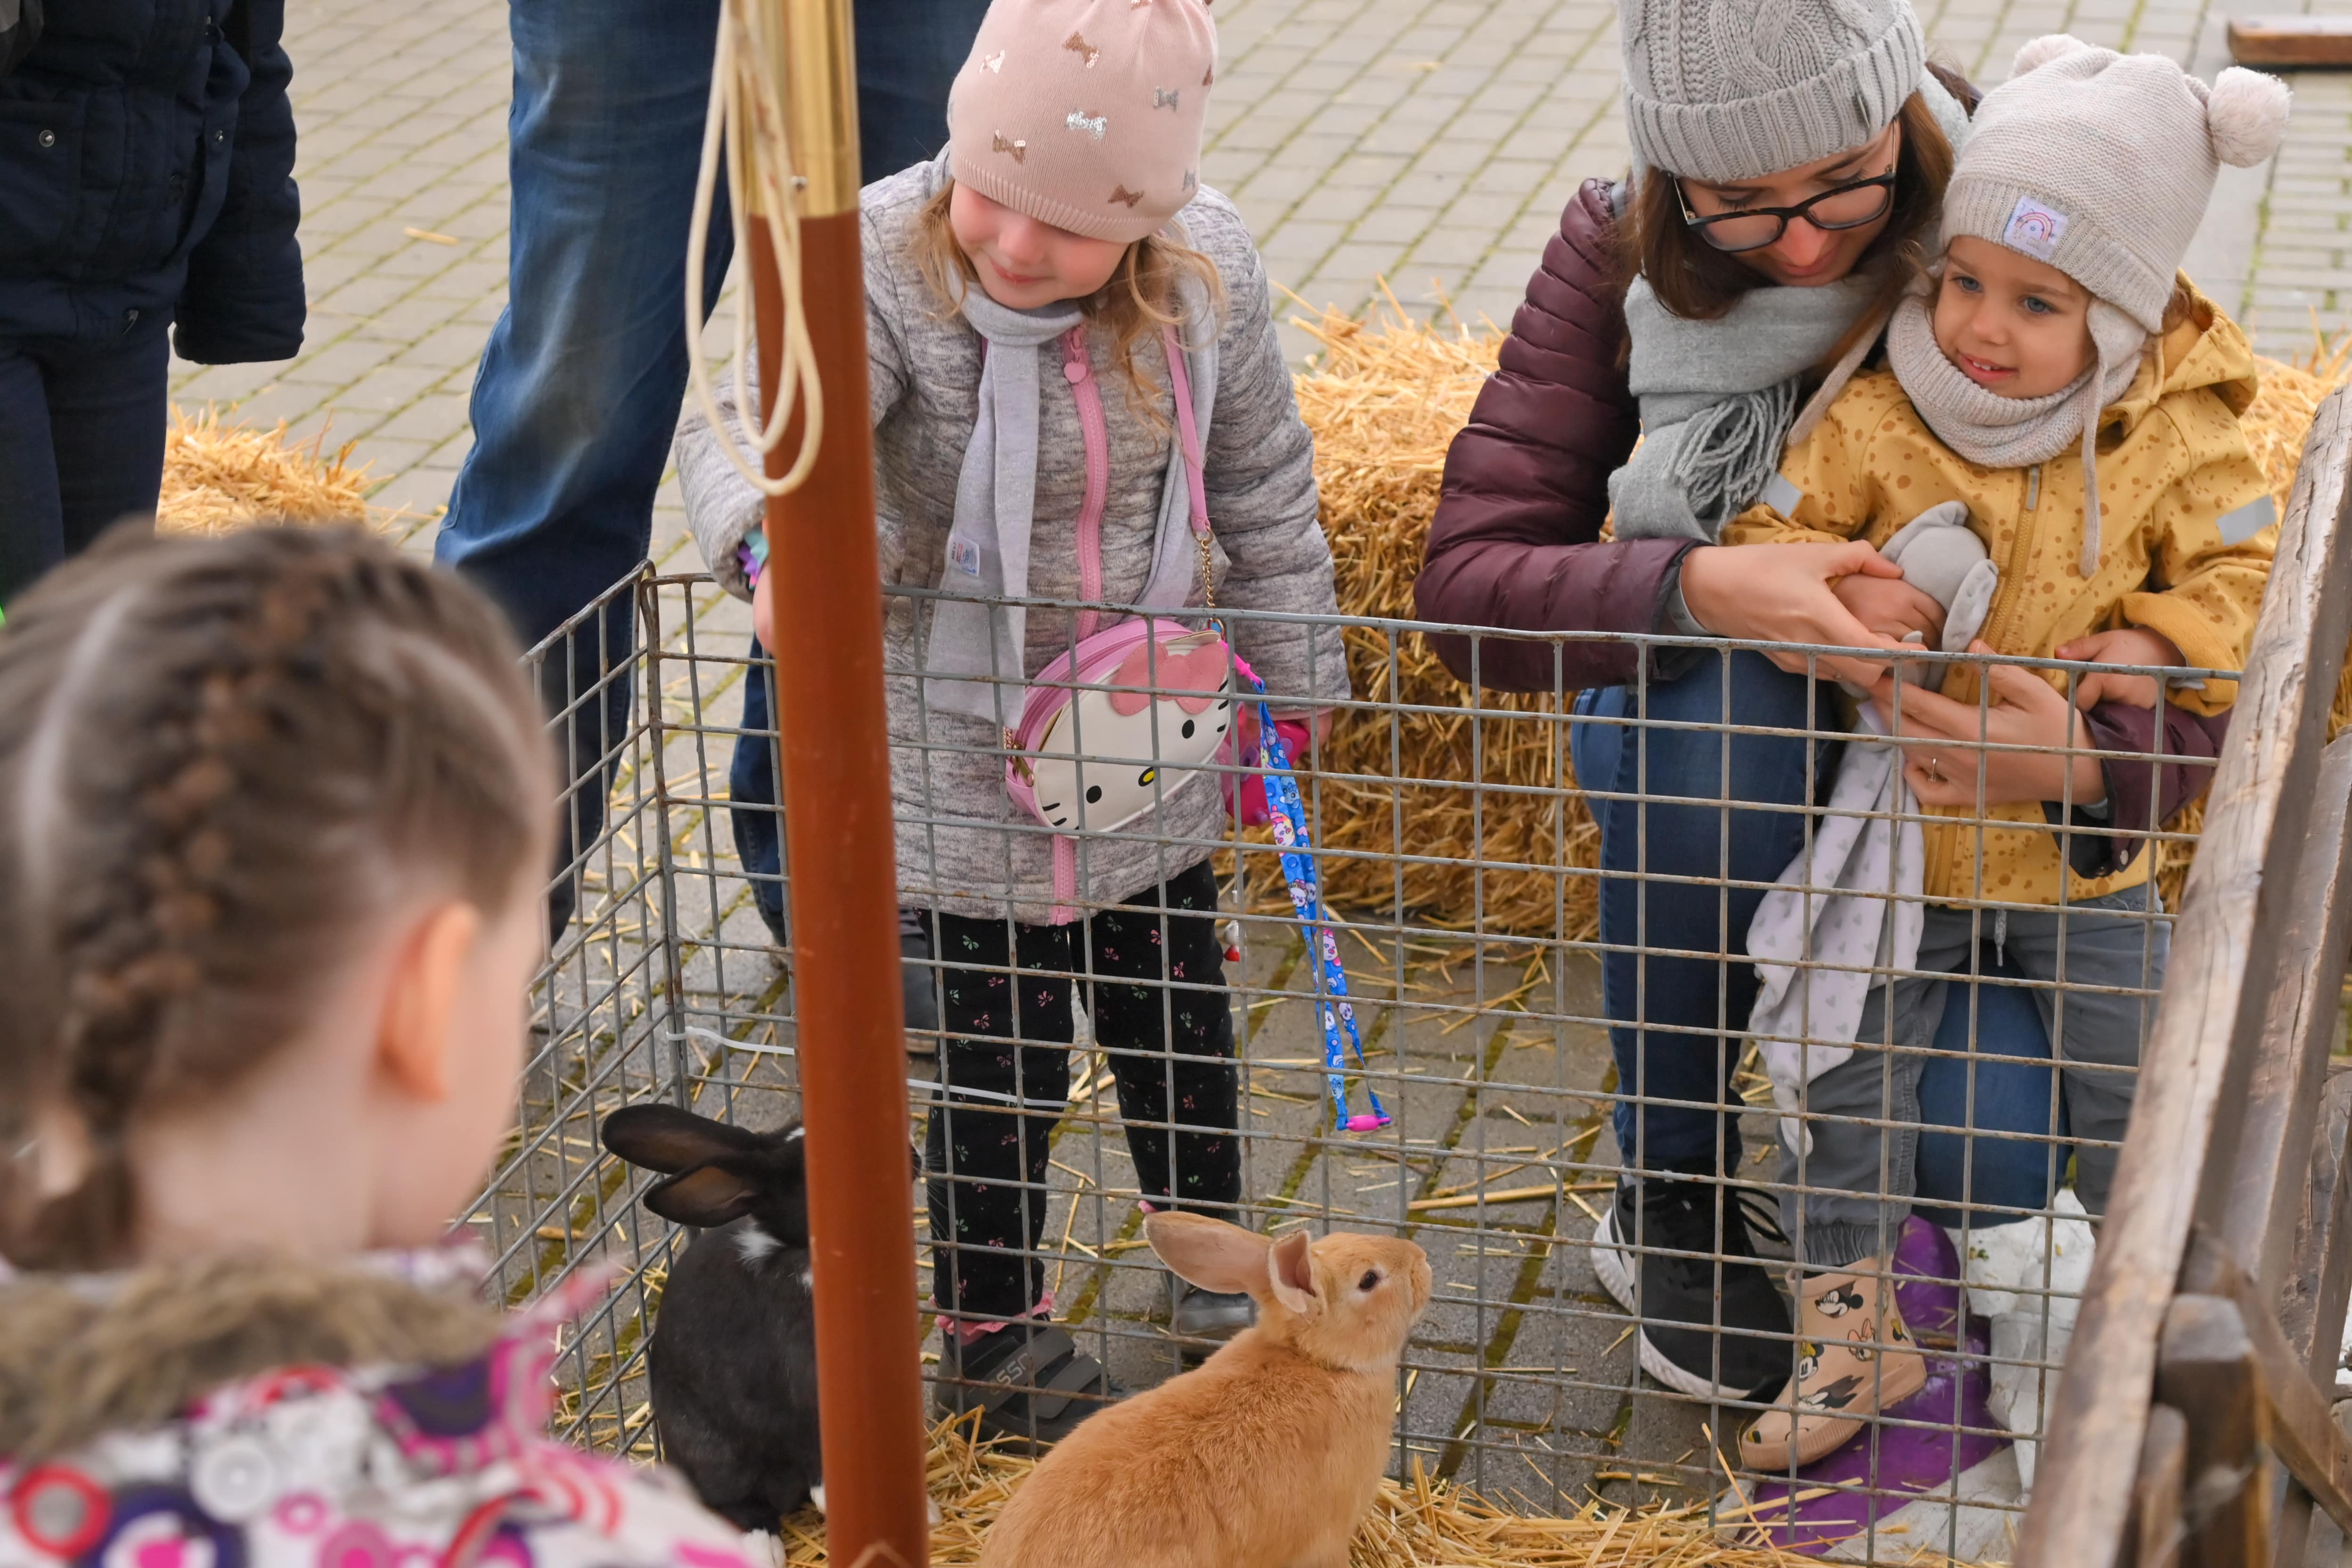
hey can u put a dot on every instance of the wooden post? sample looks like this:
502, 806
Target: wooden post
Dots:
2206, 1363
825, 630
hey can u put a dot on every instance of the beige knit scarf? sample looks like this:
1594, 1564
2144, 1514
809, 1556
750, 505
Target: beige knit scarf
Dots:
2017, 432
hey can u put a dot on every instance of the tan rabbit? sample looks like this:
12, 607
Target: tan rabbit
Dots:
1267, 1454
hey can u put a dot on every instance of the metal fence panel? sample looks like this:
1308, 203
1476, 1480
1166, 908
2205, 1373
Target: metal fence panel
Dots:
1461, 853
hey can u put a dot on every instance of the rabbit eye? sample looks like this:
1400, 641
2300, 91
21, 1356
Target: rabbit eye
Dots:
1370, 1282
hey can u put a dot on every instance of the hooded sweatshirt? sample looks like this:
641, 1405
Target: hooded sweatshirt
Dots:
2173, 463
238, 1413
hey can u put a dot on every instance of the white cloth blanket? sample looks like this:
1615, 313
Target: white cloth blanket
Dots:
1847, 908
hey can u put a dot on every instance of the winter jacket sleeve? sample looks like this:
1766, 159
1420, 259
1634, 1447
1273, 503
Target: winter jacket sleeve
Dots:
2143, 793
1516, 543
722, 506
243, 297
1257, 468
2204, 590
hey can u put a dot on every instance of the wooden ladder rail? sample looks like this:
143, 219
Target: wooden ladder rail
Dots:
2220, 1148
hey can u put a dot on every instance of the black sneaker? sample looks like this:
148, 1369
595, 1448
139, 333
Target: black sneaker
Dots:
1676, 1297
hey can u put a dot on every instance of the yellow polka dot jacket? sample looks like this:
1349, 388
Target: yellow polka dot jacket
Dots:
2173, 463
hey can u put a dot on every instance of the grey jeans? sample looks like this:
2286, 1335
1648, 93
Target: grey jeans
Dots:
2090, 969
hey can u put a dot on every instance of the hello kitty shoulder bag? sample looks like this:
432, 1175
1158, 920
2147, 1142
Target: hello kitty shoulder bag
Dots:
1138, 709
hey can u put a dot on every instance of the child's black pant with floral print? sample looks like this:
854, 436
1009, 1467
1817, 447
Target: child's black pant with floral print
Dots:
1155, 990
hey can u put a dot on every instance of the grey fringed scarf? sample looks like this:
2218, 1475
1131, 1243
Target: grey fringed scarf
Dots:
1717, 398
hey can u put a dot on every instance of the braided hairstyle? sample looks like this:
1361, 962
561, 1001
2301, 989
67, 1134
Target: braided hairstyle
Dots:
219, 758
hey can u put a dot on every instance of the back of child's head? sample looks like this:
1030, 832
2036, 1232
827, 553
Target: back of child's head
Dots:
220, 759
2101, 164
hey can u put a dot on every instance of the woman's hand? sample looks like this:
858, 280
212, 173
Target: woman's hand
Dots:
1788, 594
1939, 736
2127, 644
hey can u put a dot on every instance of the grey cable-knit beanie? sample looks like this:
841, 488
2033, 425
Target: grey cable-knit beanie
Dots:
2101, 164
1731, 89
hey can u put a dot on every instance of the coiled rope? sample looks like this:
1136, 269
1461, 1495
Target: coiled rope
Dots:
746, 127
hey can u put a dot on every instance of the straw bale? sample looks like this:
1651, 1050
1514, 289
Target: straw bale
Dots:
1423, 1523
218, 476
1384, 399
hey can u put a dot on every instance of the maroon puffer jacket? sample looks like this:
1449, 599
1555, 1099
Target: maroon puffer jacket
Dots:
1516, 543
1516, 540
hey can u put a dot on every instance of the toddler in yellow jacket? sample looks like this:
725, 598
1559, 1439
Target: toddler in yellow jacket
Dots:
2056, 375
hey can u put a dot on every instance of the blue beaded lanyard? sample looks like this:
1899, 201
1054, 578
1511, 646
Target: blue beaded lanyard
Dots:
1289, 813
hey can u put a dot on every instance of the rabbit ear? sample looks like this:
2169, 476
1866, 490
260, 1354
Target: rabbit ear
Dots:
1291, 1260
1209, 1252
665, 1137
708, 1195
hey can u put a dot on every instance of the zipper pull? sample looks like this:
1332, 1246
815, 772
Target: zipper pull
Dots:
2032, 485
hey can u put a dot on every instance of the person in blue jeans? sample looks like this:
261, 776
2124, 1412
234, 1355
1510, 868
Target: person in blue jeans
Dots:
580, 385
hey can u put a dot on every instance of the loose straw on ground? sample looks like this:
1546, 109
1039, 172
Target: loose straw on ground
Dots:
1384, 400
1420, 1523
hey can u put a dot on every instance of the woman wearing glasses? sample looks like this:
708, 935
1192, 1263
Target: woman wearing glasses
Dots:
1788, 153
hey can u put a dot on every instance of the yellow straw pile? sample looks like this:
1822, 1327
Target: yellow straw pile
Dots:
218, 476
1419, 1524
1384, 400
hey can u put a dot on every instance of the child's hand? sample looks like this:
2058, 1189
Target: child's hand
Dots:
1892, 608
1940, 743
2125, 645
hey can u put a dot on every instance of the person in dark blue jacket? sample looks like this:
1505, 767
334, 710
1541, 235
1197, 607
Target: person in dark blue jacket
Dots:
146, 181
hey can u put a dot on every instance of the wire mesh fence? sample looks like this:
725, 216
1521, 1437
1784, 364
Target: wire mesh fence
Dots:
1533, 898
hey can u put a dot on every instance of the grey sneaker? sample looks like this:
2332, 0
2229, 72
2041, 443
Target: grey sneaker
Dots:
1204, 1317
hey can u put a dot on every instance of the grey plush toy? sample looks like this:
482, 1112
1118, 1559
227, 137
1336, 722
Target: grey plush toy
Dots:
1944, 560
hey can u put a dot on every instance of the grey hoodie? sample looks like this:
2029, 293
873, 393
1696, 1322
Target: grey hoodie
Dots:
963, 847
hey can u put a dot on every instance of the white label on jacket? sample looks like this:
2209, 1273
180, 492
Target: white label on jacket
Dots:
1781, 496
963, 554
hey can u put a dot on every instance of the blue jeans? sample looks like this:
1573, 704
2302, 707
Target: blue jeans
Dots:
81, 444
2013, 1077
1677, 1016
579, 390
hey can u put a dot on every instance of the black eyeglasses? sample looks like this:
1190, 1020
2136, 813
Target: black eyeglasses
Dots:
1753, 228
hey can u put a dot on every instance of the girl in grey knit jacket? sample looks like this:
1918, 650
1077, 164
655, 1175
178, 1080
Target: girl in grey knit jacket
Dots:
957, 340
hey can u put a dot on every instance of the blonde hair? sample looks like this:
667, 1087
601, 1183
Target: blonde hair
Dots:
1141, 297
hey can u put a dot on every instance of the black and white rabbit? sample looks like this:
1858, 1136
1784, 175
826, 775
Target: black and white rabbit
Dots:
732, 1361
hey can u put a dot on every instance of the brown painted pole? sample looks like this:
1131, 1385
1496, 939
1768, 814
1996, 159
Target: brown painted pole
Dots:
826, 632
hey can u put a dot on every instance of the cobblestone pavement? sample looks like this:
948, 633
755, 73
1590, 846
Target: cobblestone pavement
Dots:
1427, 143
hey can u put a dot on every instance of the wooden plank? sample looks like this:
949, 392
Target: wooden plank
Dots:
2318, 1287
2262, 793
2291, 41
2259, 1207
2300, 1426
2157, 1494
2206, 1363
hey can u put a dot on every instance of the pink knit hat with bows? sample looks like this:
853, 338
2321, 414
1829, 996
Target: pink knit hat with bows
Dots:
1086, 114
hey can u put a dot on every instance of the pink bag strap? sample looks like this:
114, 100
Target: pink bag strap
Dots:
1179, 384
1079, 371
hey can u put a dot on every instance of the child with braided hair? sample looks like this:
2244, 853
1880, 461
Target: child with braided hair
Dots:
272, 823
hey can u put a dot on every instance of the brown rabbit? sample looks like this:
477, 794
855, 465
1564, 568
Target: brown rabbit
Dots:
1267, 1454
